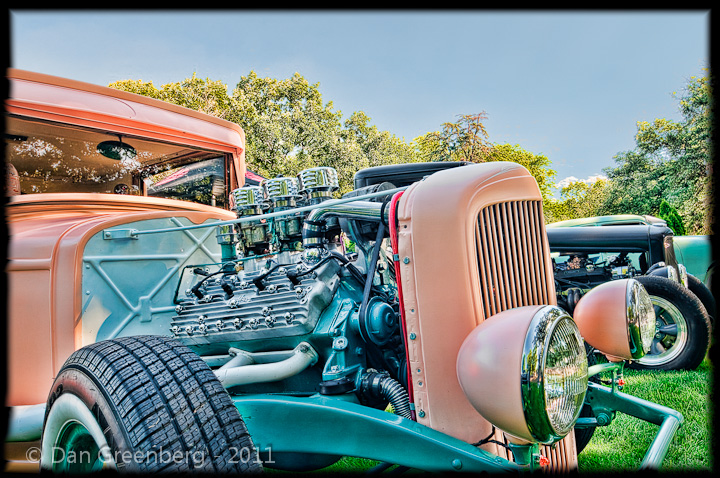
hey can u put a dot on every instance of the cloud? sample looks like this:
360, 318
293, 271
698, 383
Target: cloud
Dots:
572, 179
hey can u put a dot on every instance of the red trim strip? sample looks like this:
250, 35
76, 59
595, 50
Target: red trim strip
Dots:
396, 261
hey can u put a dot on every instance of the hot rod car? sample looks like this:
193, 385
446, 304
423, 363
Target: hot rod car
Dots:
586, 256
163, 316
694, 252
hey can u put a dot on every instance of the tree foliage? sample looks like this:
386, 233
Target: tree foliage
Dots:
577, 199
468, 140
464, 140
288, 126
206, 96
537, 164
671, 162
672, 218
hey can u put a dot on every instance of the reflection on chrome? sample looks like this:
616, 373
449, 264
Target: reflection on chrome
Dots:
555, 374
641, 319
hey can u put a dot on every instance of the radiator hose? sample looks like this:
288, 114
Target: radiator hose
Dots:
382, 385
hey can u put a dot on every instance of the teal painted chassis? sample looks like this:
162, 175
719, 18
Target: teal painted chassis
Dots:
332, 426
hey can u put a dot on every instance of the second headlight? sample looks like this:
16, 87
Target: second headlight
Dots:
617, 318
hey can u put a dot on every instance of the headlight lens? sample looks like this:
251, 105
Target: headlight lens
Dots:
641, 319
554, 374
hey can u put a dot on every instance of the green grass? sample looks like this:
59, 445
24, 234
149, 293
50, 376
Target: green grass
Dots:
621, 446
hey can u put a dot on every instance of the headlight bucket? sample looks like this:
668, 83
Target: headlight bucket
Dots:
525, 370
617, 318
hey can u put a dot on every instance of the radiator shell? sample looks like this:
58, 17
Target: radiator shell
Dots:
471, 243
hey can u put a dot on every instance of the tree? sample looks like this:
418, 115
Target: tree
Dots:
378, 147
288, 126
537, 164
207, 96
468, 140
671, 161
672, 218
578, 199
464, 140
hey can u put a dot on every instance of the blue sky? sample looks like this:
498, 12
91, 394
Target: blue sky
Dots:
567, 84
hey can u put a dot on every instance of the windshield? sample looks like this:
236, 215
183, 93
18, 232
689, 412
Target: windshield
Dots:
619, 262
202, 182
47, 157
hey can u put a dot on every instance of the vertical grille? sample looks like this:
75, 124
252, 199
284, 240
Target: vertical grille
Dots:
511, 256
561, 456
511, 252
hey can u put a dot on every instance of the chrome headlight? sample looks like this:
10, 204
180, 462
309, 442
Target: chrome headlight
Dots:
554, 374
617, 318
641, 318
533, 360
682, 272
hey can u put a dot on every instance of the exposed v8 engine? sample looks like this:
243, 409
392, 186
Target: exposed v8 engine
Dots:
289, 308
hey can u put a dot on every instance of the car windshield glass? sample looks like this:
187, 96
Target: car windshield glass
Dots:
56, 158
618, 262
203, 182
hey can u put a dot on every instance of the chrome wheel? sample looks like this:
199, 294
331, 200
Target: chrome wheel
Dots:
671, 333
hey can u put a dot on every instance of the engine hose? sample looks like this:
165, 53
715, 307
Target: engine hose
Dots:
382, 385
397, 396
573, 297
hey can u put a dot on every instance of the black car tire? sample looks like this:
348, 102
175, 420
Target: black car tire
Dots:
682, 335
583, 435
702, 292
143, 404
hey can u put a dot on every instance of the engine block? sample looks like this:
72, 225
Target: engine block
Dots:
233, 307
